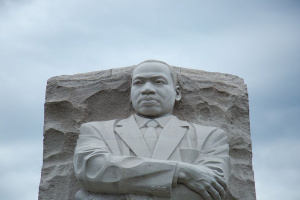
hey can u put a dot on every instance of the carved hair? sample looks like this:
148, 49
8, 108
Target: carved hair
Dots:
173, 72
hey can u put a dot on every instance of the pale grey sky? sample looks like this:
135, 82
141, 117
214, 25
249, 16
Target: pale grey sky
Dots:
256, 40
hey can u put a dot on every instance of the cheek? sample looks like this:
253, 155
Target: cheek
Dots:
134, 94
168, 96
170, 92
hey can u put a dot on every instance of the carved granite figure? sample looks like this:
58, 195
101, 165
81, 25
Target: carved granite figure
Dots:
152, 154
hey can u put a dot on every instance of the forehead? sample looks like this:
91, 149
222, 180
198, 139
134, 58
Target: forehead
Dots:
151, 69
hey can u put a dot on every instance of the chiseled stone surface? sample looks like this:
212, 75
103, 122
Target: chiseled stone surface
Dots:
212, 99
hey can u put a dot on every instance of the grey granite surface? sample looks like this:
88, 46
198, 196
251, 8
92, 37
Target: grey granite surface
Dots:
212, 99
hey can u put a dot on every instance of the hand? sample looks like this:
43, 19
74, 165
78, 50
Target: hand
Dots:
202, 181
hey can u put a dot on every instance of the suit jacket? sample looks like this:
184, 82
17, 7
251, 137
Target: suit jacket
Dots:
111, 157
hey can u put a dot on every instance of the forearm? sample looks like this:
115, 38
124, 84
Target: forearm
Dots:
184, 171
106, 173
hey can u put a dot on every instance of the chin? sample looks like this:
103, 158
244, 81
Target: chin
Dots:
149, 112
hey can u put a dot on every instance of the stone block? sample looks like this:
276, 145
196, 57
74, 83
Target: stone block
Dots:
212, 99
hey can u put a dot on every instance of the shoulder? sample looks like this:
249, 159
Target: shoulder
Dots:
203, 131
97, 127
102, 125
97, 124
207, 129
198, 127
209, 137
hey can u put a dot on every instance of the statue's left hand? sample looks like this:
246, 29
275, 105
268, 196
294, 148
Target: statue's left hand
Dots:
202, 181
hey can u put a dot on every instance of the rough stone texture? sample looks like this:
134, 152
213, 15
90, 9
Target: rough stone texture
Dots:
212, 99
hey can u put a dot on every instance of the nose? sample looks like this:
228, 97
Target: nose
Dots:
148, 89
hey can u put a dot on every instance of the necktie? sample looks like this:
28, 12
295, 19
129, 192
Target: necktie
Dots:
150, 136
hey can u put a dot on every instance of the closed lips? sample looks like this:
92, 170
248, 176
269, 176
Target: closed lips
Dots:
148, 99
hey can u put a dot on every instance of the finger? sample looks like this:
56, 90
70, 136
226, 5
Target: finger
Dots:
205, 195
219, 188
222, 182
214, 193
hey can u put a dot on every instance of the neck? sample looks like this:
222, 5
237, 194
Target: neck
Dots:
154, 117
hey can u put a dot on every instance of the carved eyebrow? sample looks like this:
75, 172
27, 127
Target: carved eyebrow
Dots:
151, 77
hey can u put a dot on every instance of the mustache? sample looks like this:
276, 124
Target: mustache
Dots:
147, 98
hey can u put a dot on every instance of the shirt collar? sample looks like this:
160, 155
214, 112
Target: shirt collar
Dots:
162, 121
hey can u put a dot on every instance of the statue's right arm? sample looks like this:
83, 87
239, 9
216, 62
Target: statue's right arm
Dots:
98, 170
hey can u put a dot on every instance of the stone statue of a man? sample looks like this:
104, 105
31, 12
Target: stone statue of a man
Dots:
152, 154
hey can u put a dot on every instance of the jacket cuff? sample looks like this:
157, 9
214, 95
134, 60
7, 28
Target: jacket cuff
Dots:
175, 177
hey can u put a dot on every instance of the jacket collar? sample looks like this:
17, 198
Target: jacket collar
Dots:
169, 138
142, 121
129, 131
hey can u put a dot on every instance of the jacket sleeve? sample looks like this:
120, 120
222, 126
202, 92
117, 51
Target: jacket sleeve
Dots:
214, 150
98, 170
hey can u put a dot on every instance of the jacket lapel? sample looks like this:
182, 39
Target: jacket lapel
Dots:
130, 133
169, 138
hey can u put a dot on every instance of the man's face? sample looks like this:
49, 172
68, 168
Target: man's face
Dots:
152, 90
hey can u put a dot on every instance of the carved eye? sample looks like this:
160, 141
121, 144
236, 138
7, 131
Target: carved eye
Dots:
160, 82
137, 82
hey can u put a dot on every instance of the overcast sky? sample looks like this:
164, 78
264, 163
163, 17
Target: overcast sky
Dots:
256, 40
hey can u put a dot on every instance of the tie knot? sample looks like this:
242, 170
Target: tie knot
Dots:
152, 123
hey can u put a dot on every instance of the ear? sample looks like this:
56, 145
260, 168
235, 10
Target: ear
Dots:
178, 93
130, 100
